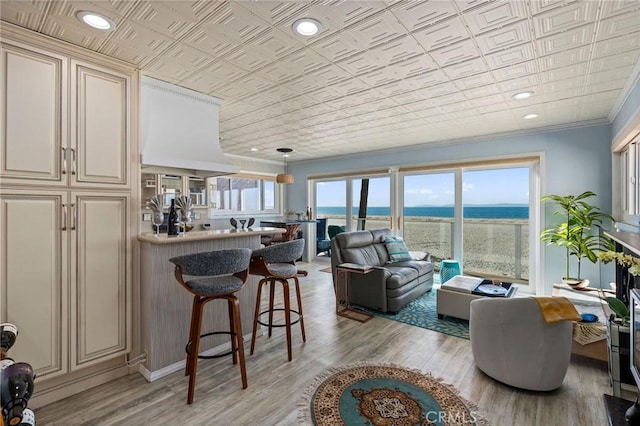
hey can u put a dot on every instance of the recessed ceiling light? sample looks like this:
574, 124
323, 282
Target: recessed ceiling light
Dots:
523, 95
530, 116
253, 149
306, 26
95, 20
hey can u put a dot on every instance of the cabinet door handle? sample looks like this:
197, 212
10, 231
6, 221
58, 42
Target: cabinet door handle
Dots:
64, 160
64, 216
73, 163
74, 218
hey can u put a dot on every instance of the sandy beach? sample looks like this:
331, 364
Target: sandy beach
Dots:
489, 244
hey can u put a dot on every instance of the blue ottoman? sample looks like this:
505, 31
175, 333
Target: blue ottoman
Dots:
448, 269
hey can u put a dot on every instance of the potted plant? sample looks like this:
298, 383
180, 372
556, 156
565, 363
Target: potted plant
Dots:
579, 232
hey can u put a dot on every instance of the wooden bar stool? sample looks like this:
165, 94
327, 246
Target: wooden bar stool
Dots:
220, 274
277, 263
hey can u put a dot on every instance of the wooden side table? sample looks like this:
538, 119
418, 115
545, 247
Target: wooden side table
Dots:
343, 308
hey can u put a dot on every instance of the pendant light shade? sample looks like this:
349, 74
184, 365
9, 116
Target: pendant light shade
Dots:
285, 177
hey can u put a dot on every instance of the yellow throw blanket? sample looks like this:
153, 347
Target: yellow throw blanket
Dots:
555, 309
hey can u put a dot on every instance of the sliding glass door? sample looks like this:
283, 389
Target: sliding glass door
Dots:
495, 229
428, 213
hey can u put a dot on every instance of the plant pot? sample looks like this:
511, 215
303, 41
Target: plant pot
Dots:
576, 284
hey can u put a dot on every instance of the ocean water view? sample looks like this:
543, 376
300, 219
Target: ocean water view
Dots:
499, 211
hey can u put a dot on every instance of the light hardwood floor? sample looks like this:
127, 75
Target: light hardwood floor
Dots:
275, 385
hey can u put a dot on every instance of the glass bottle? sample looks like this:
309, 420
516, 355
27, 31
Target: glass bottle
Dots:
173, 223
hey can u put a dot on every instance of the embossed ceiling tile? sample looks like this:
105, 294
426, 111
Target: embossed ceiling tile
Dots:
488, 102
519, 84
62, 24
325, 94
24, 14
604, 86
219, 73
135, 43
275, 12
443, 34
344, 13
250, 58
615, 7
466, 69
246, 87
184, 56
423, 105
417, 14
282, 71
410, 97
331, 75
565, 40
616, 65
306, 83
306, 60
564, 18
505, 37
361, 63
483, 92
230, 23
562, 59
395, 88
171, 19
380, 77
469, 4
570, 71
511, 56
353, 86
494, 15
516, 71
564, 85
467, 83
427, 79
399, 50
440, 99
616, 45
549, 95
455, 53
276, 43
338, 46
619, 25
375, 30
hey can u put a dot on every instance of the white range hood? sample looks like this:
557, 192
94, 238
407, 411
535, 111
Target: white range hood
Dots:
180, 131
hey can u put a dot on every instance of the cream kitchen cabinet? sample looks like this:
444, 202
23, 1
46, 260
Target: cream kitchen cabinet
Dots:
66, 276
66, 121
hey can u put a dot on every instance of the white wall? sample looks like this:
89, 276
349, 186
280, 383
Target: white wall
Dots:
576, 160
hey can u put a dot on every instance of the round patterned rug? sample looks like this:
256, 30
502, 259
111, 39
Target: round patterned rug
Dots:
383, 395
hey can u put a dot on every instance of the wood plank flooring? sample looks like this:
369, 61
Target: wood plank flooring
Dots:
275, 385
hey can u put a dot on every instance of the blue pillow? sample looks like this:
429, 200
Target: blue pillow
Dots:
397, 250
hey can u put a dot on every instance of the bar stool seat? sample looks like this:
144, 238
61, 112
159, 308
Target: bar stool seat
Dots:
217, 274
276, 263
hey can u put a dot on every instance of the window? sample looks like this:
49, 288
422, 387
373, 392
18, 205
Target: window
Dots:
630, 174
243, 193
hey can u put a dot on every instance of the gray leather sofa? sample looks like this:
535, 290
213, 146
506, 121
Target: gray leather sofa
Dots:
390, 286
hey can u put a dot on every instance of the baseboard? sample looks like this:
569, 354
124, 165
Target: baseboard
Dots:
151, 376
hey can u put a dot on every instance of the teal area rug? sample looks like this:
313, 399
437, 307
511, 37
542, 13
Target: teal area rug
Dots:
370, 394
422, 313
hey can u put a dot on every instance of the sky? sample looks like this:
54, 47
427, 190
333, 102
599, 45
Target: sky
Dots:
495, 186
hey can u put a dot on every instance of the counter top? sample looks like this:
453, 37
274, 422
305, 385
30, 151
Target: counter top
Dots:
630, 240
213, 234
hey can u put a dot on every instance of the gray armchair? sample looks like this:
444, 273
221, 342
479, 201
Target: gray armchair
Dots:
513, 344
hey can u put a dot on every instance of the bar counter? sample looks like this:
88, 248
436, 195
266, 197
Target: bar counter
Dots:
166, 306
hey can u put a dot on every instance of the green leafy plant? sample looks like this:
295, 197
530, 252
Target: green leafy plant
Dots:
618, 307
579, 233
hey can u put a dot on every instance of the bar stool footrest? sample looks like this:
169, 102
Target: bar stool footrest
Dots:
188, 346
278, 325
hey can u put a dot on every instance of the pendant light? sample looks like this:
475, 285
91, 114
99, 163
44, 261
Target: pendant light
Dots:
284, 177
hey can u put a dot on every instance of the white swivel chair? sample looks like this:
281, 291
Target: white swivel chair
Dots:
512, 343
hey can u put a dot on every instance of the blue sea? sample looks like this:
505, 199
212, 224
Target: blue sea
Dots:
469, 212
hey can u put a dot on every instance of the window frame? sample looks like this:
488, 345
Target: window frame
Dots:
262, 179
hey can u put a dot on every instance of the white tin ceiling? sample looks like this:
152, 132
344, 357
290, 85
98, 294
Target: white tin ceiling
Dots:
380, 74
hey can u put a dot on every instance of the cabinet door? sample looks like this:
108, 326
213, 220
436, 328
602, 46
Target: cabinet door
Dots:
34, 281
34, 116
100, 127
101, 277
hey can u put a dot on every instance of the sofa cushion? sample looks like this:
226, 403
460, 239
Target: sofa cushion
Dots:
362, 255
397, 249
422, 266
399, 276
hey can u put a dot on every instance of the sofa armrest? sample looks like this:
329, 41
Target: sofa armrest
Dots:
420, 255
